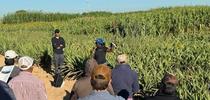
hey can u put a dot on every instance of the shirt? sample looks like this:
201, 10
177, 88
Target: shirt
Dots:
6, 92
100, 55
124, 79
56, 42
102, 95
83, 88
28, 87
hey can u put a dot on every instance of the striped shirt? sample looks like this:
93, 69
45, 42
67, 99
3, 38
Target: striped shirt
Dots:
28, 87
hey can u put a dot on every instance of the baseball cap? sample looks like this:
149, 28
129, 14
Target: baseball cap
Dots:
10, 54
122, 58
102, 72
25, 62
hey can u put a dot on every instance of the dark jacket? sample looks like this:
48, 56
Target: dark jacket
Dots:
56, 45
124, 79
100, 54
6, 92
162, 96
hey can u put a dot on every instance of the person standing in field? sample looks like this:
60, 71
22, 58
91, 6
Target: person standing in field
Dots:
58, 45
100, 51
26, 86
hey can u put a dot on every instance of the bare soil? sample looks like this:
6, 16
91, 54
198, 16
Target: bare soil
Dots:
53, 93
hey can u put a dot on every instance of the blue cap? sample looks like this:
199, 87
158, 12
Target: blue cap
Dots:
100, 41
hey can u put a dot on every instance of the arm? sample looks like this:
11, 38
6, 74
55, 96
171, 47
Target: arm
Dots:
73, 94
62, 43
54, 45
111, 47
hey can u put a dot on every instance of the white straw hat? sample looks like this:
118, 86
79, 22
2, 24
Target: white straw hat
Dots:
10, 54
25, 62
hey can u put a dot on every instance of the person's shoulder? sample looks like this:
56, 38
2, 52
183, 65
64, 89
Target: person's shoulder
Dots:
82, 80
62, 38
119, 98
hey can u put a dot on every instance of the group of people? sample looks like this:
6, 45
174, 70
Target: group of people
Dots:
18, 83
100, 82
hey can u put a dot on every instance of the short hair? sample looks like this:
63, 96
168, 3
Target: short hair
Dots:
9, 61
89, 66
122, 58
169, 83
57, 31
100, 77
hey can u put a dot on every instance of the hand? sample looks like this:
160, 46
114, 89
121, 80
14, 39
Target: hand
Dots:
61, 45
112, 45
58, 47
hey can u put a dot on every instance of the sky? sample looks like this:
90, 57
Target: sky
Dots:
80, 6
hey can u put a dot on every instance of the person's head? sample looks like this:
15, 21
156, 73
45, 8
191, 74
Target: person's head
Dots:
26, 63
100, 77
100, 42
121, 59
57, 32
89, 66
169, 83
10, 57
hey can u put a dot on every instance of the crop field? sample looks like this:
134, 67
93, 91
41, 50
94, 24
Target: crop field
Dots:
174, 40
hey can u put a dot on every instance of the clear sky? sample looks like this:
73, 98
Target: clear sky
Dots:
79, 6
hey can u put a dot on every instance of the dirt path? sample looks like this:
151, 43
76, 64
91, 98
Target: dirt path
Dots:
52, 92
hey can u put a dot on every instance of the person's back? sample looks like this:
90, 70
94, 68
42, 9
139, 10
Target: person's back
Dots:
103, 95
123, 78
81, 88
100, 55
26, 86
101, 50
100, 80
6, 92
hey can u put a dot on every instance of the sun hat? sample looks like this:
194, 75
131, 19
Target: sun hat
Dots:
10, 54
25, 62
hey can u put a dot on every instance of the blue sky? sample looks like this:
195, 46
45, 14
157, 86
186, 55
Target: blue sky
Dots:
79, 6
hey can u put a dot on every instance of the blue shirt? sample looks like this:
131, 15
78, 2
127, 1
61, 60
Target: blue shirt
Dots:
123, 78
102, 95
